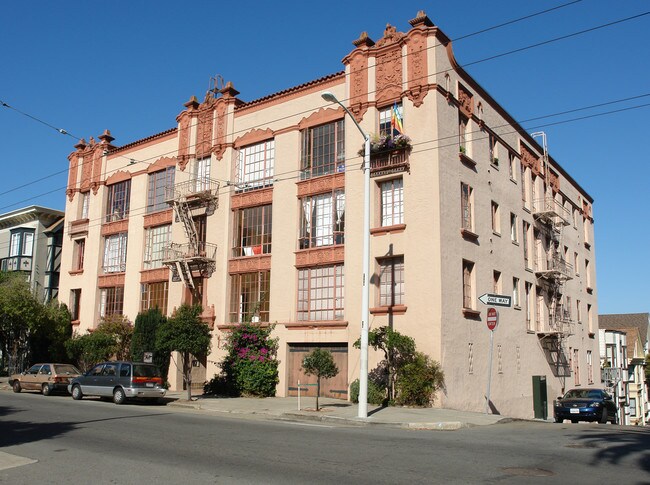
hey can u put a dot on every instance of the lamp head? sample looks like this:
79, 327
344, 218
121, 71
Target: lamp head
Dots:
328, 96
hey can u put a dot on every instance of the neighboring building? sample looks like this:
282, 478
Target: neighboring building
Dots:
30, 243
264, 223
635, 327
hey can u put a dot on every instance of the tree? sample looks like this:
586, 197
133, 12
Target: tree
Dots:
47, 341
88, 349
143, 340
120, 329
319, 362
186, 334
418, 381
647, 368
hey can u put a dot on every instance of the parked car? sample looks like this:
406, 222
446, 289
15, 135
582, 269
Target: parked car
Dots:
121, 381
585, 405
46, 378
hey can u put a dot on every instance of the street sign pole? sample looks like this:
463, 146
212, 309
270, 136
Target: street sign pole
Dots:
492, 321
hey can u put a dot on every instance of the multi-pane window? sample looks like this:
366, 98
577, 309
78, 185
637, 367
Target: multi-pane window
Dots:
78, 254
322, 220
75, 303
515, 292
119, 196
85, 204
496, 223
256, 166
468, 275
253, 227
115, 253
391, 281
156, 238
28, 243
514, 237
392, 202
154, 295
466, 196
201, 174
111, 301
21, 243
159, 184
14, 244
320, 293
250, 297
323, 149
387, 121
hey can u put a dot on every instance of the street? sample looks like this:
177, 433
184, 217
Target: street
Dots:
58, 440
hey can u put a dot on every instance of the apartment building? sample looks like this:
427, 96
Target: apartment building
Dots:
30, 243
255, 210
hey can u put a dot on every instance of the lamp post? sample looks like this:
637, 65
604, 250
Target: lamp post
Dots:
365, 298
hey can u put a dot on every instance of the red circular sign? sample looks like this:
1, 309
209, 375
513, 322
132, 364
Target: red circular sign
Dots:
492, 318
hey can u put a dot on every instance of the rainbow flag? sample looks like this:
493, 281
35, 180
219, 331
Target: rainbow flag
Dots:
396, 120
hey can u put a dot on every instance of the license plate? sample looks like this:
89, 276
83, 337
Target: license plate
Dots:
149, 384
574, 411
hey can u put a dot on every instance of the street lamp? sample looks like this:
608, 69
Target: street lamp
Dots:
365, 307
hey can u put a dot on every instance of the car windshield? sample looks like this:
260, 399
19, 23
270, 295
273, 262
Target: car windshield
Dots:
144, 370
583, 394
66, 369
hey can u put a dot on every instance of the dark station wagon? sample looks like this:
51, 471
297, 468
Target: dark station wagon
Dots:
120, 381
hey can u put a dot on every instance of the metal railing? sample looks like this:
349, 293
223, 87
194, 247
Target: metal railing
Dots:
178, 252
550, 208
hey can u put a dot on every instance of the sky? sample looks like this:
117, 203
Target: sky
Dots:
128, 66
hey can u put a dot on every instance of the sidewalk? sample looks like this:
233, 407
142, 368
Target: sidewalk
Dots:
336, 411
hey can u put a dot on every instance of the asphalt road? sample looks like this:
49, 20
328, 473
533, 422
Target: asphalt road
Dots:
57, 440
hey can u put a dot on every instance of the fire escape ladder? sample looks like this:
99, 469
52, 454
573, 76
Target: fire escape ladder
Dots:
184, 214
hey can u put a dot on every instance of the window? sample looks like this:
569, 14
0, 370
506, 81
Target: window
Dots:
21, 242
320, 293
590, 368
587, 230
115, 253
515, 292
468, 276
392, 202
111, 301
526, 244
512, 164
496, 282
159, 184
75, 303
85, 204
252, 231
541, 306
119, 195
249, 297
590, 319
632, 407
496, 223
530, 324
575, 264
578, 312
154, 295
494, 159
256, 166
514, 235
466, 199
78, 254
14, 246
387, 123
322, 220
323, 149
576, 366
391, 281
28, 243
524, 197
201, 174
462, 132
156, 239
588, 274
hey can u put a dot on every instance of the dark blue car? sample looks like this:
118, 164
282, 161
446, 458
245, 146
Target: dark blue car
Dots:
585, 405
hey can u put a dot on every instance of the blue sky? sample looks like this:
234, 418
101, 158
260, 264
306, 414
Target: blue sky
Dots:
129, 66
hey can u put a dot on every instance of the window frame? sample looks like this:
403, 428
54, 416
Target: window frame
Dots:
154, 294
252, 156
319, 157
390, 283
156, 239
315, 230
331, 298
243, 309
158, 185
252, 230
114, 258
118, 201
391, 206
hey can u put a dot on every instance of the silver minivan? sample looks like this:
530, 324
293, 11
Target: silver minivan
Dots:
121, 381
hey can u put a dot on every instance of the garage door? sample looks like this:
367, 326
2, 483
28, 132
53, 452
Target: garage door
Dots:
336, 387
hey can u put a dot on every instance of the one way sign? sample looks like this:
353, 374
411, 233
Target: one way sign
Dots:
496, 300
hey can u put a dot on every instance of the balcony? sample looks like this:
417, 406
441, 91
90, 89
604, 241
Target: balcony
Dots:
195, 193
553, 268
388, 162
550, 211
16, 263
185, 259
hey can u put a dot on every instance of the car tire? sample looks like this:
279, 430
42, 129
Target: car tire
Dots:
76, 393
118, 396
45, 390
558, 420
16, 386
603, 417
574, 421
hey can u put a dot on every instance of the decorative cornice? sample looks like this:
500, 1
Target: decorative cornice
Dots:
158, 218
250, 264
110, 280
320, 117
316, 325
154, 275
116, 227
119, 176
162, 164
321, 185
320, 256
253, 136
252, 198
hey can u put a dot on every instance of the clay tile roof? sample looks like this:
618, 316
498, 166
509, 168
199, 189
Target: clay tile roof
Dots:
623, 321
290, 90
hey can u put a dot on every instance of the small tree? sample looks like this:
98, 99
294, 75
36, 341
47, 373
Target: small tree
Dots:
144, 339
91, 348
186, 334
418, 381
319, 362
120, 329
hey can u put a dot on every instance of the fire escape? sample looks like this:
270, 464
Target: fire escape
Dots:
195, 259
552, 272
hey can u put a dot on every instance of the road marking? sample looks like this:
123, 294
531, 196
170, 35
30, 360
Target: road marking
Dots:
12, 461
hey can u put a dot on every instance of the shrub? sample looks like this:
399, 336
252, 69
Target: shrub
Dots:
376, 393
143, 340
418, 381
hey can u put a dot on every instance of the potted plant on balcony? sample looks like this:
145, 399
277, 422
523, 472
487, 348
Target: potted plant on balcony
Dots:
386, 144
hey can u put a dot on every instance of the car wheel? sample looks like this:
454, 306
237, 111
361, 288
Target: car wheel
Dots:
558, 420
118, 396
16, 386
45, 389
76, 393
603, 417
574, 421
